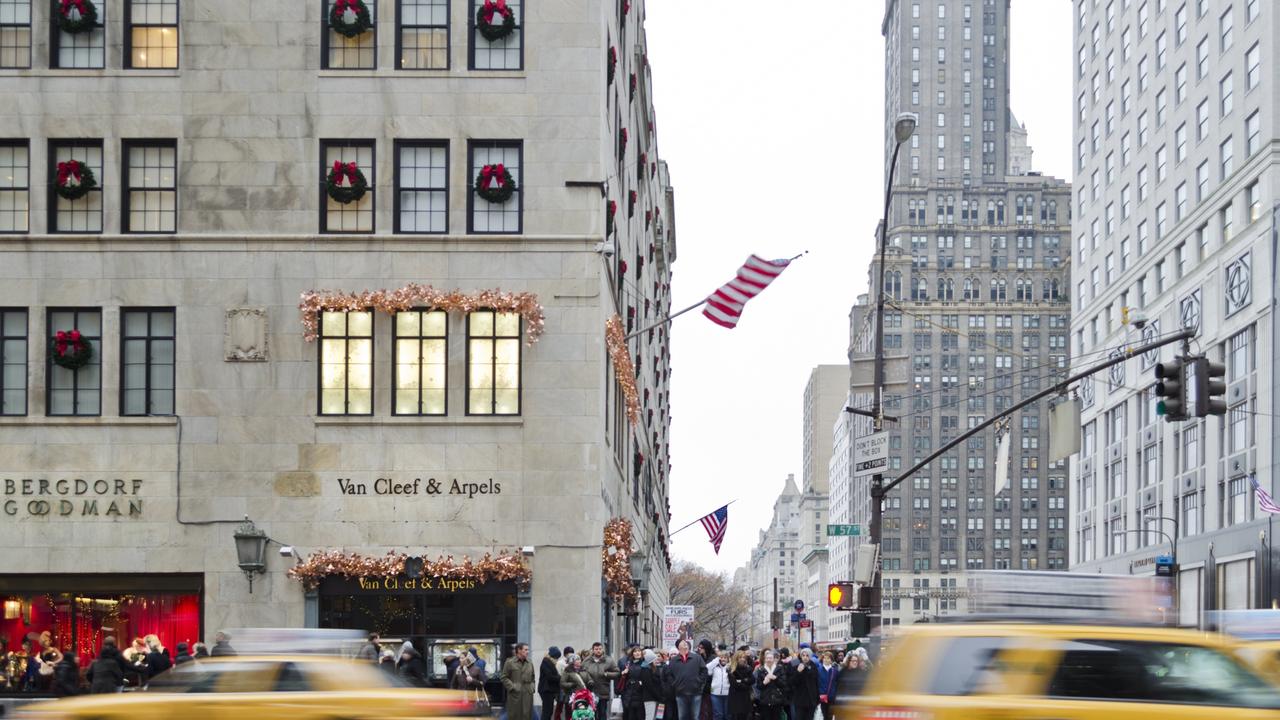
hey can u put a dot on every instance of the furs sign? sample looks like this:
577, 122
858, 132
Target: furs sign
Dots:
71, 497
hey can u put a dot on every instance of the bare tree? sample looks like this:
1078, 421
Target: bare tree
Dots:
721, 609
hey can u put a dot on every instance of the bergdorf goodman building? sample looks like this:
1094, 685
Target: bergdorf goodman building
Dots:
196, 335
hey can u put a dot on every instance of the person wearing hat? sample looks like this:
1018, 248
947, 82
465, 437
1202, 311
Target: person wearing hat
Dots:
410, 666
549, 682
450, 665
183, 655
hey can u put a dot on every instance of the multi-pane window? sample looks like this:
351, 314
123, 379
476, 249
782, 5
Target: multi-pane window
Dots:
86, 49
15, 33
1225, 94
1253, 67
422, 186
151, 34
74, 391
357, 215
421, 359
150, 193
84, 214
147, 361
339, 52
505, 53
493, 363
346, 363
492, 217
15, 185
1225, 157
13, 361
422, 34
1252, 131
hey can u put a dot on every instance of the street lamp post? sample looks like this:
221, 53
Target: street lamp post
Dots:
903, 129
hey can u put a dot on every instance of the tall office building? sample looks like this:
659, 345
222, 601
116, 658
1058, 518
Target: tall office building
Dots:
824, 397
776, 557
1176, 143
976, 318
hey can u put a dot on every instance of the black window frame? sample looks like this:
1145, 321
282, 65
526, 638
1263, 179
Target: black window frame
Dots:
25, 338
325, 36
25, 144
448, 38
395, 358
53, 198
18, 26
126, 60
55, 37
370, 174
473, 36
467, 360
472, 144
50, 331
126, 189
346, 337
396, 146
147, 339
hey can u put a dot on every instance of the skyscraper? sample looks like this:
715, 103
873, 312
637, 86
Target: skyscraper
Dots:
976, 314
1176, 150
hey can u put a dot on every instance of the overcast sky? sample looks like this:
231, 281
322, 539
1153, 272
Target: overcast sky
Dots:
770, 116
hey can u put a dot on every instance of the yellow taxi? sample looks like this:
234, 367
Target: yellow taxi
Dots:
243, 688
1264, 656
1010, 670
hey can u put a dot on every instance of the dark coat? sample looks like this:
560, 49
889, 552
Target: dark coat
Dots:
182, 658
741, 679
688, 674
222, 648
468, 677
571, 680
635, 683
451, 670
548, 677
655, 690
157, 662
413, 670
804, 686
105, 674
66, 678
775, 692
668, 688
827, 680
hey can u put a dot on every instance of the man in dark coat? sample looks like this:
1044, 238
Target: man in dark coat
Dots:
106, 674
517, 679
687, 674
66, 675
549, 682
411, 667
183, 656
222, 645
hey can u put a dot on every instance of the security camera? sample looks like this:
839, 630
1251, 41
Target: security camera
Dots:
606, 248
527, 550
1138, 320
286, 551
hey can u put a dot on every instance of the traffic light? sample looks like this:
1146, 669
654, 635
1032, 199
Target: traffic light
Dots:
842, 596
1171, 388
1210, 387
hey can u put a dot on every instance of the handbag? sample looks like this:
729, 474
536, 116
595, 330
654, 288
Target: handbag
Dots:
482, 701
615, 706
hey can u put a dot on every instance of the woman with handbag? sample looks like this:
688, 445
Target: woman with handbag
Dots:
771, 678
574, 678
741, 680
828, 675
633, 684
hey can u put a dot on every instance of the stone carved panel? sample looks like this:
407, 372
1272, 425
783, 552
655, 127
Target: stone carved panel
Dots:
245, 338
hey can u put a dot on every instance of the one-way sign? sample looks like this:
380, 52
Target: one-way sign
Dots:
870, 454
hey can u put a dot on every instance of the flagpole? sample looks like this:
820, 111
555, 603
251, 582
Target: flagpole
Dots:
695, 522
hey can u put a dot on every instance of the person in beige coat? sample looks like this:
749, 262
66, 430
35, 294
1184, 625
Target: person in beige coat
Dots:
517, 678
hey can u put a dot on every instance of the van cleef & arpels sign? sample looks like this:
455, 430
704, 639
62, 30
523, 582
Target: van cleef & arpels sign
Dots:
418, 486
71, 497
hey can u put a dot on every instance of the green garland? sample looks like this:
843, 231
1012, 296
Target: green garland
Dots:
363, 23
493, 32
88, 17
346, 194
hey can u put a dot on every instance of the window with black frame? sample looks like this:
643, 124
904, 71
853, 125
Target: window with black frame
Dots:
75, 195
346, 363
13, 361
74, 367
422, 186
15, 186
421, 362
493, 363
422, 34
349, 38
147, 351
497, 187
15, 33
497, 34
150, 193
151, 34
78, 35
344, 167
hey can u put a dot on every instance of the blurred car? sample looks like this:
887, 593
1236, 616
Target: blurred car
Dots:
305, 687
1264, 656
1065, 672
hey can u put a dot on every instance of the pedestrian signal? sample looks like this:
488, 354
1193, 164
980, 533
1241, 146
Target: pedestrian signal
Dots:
841, 596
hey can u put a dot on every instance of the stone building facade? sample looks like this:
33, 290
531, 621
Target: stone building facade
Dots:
211, 129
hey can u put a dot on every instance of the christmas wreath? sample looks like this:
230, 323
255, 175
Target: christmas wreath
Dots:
631, 203
634, 81
491, 175
350, 18
611, 210
612, 64
75, 180
485, 20
75, 16
357, 185
70, 350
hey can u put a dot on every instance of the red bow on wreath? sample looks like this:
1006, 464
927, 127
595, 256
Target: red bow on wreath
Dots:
490, 7
64, 338
340, 170
489, 173
71, 167
341, 6
79, 5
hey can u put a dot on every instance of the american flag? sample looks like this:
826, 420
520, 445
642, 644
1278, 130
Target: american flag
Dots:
715, 525
724, 306
1265, 503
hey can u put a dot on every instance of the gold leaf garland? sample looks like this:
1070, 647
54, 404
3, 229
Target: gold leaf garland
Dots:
617, 566
313, 302
506, 565
615, 340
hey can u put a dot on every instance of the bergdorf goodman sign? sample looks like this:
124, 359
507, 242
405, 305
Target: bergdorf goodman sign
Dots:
71, 497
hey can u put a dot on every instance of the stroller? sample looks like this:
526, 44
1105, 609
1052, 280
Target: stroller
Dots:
582, 705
